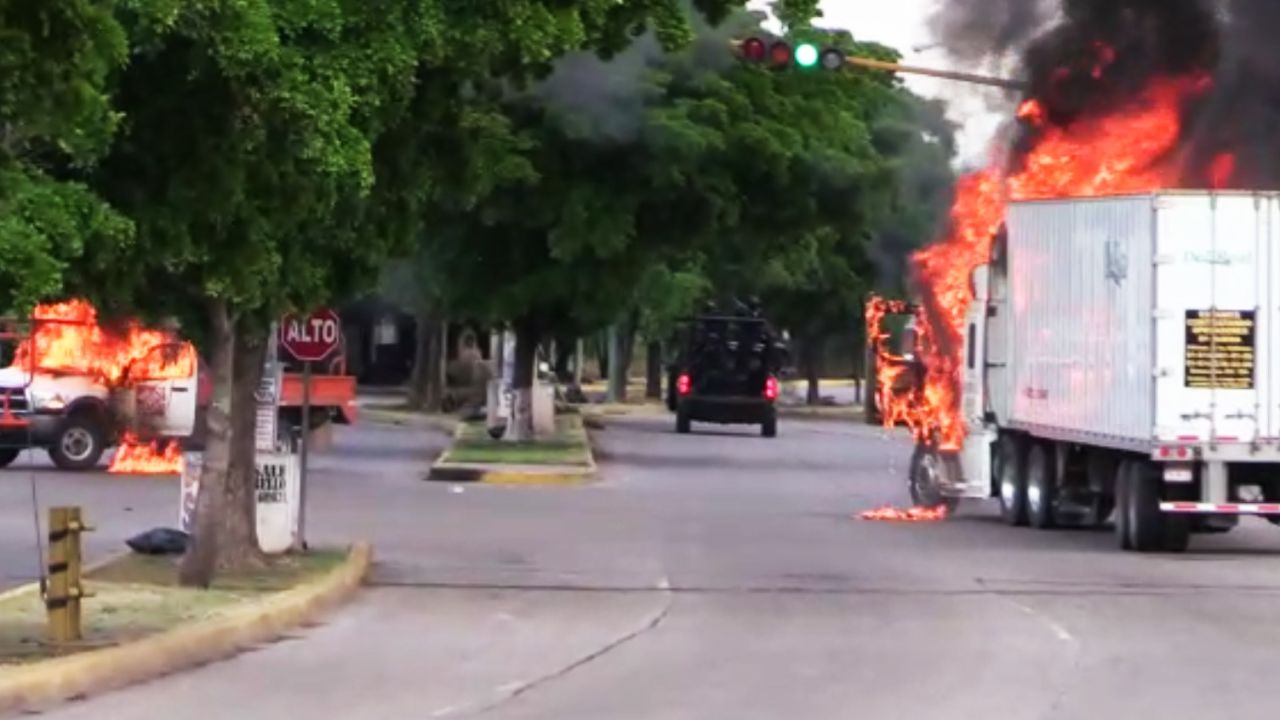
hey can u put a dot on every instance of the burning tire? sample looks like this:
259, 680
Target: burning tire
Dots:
80, 443
7, 456
928, 473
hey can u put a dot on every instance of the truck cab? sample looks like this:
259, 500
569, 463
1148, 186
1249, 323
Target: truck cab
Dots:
77, 417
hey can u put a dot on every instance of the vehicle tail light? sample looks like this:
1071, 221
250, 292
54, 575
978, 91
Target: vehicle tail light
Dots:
771, 389
684, 385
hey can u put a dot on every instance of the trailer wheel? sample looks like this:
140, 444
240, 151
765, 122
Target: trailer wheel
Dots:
1123, 472
1149, 529
1012, 480
1041, 487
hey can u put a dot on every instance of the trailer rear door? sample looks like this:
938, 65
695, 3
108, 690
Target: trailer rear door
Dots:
1215, 317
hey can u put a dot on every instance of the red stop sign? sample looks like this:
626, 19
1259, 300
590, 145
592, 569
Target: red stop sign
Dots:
311, 338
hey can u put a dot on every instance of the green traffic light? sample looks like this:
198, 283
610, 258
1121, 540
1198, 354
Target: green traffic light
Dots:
807, 55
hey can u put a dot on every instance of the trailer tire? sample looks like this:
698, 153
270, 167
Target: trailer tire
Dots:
1012, 480
1041, 487
1123, 472
1150, 530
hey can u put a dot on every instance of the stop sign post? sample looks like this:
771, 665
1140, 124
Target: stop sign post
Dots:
308, 338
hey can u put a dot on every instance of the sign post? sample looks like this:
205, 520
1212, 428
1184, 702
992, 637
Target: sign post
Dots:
308, 339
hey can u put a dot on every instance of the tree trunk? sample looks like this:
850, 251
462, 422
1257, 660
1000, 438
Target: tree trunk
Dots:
602, 347
617, 372
438, 367
419, 377
528, 334
653, 372
201, 559
629, 330
579, 360
238, 537
814, 348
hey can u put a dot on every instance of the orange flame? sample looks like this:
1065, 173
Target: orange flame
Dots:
1132, 150
66, 338
914, 514
136, 458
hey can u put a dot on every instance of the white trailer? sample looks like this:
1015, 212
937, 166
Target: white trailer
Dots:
1123, 354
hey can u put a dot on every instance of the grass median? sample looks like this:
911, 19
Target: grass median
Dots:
137, 596
568, 446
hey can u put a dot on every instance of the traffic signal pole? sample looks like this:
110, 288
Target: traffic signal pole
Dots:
807, 55
944, 74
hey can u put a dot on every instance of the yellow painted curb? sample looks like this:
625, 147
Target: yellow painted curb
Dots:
31, 686
536, 479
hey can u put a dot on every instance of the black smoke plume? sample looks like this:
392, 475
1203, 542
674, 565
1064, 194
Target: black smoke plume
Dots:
1086, 57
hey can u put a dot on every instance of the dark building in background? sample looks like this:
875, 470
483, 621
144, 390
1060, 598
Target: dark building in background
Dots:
381, 340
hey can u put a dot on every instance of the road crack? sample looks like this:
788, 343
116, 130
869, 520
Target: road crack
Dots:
511, 691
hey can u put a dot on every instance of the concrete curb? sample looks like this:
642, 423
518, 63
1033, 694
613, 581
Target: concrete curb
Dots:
28, 687
515, 475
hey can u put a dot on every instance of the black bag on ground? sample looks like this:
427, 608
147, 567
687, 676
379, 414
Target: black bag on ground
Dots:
159, 541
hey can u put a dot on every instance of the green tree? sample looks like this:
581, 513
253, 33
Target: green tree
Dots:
273, 158
246, 163
773, 178
55, 120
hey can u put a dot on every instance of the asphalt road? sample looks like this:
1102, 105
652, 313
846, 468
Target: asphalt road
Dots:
721, 575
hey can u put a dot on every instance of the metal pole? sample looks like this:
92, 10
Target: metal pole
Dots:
944, 74
302, 459
872, 64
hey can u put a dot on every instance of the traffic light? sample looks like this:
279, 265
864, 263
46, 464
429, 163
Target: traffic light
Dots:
806, 55
781, 54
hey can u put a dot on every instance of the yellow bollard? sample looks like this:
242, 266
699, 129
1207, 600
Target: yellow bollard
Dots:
64, 591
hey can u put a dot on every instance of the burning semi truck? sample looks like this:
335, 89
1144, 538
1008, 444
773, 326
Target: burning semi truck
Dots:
1113, 361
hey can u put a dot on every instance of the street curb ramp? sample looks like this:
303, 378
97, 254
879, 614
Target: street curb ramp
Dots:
43, 683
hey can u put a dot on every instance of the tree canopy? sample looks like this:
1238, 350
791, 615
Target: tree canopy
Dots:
655, 178
56, 58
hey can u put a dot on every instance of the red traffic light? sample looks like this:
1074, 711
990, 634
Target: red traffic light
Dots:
754, 49
780, 54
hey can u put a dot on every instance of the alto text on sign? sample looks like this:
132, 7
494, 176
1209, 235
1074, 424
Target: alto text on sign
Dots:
311, 338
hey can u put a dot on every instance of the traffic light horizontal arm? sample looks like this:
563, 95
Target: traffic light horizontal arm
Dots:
807, 55
945, 74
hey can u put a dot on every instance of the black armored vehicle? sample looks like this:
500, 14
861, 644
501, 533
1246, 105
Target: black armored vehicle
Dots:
726, 373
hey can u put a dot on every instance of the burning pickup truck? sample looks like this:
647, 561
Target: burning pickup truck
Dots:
75, 388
